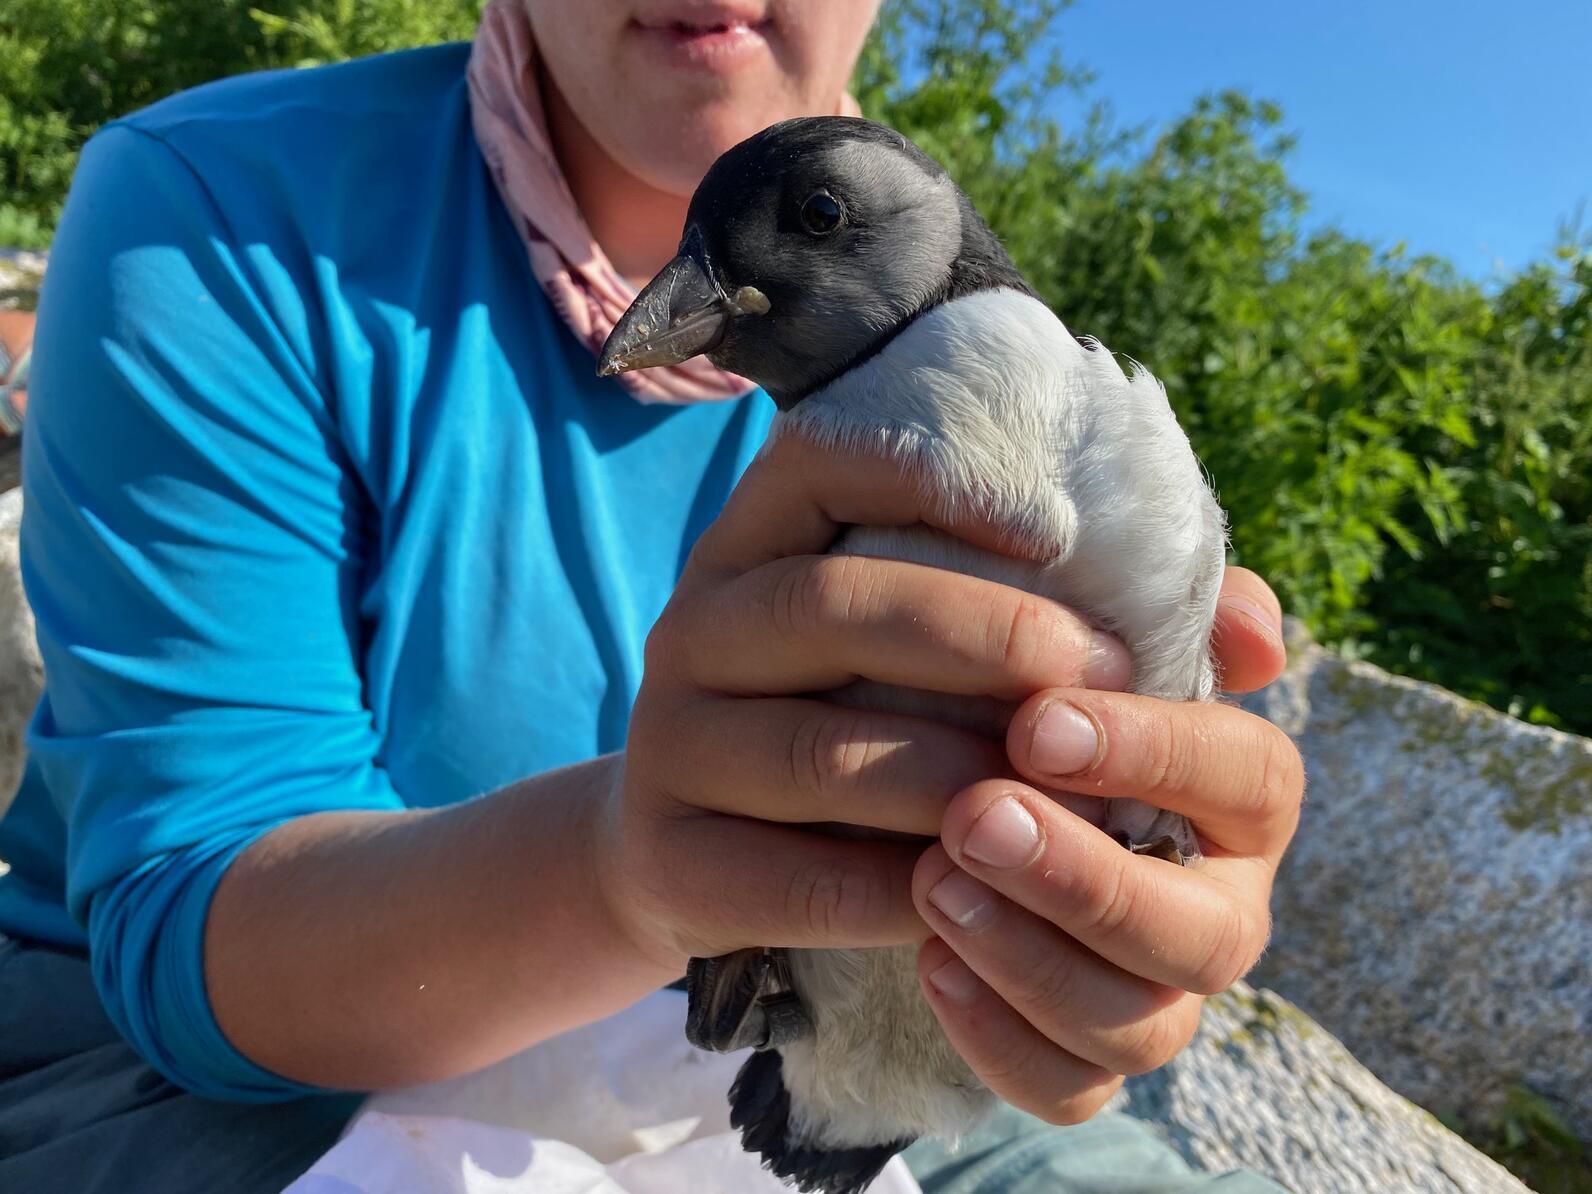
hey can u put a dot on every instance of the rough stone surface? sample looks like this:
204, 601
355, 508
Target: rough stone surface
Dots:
20, 274
21, 672
1435, 912
1266, 1089
10, 462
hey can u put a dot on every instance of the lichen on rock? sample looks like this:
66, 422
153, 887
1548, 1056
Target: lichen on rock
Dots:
1262, 1087
1435, 910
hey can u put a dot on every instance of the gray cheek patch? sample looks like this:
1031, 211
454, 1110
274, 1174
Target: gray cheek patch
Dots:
910, 231
914, 226
838, 297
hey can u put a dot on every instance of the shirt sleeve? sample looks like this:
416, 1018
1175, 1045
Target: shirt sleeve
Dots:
192, 551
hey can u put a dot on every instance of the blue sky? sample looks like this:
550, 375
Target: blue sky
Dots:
1463, 128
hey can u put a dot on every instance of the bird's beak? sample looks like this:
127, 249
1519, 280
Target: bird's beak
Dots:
681, 313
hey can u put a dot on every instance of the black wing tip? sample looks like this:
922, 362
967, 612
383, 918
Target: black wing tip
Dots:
743, 1000
713, 1015
760, 1108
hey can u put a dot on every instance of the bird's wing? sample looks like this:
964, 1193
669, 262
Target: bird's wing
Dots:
743, 1000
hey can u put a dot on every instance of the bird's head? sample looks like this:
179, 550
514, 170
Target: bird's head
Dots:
806, 248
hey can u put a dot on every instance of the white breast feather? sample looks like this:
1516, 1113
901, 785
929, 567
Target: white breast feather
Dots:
1002, 411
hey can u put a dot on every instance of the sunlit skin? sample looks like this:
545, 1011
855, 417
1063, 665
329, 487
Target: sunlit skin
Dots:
644, 96
369, 950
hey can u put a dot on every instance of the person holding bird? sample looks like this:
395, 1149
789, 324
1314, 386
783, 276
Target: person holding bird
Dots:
414, 694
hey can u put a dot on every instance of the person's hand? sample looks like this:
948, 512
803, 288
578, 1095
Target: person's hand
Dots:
1061, 961
728, 756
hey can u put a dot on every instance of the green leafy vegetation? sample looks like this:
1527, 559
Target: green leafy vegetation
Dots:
308, 34
68, 66
1534, 1142
1404, 453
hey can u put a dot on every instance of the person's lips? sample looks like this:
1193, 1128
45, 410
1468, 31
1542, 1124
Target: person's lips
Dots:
707, 36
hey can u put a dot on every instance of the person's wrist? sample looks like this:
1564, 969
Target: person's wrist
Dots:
628, 911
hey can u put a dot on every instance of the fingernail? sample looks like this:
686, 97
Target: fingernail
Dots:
964, 900
1005, 835
1262, 615
1065, 740
1110, 666
956, 982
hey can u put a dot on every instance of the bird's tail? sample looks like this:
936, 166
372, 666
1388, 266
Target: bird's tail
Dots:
760, 1108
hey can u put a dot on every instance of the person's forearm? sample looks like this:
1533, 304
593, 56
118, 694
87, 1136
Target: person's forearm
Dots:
370, 950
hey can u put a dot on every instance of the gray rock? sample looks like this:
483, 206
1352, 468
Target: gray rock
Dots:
1435, 912
21, 672
21, 273
1264, 1088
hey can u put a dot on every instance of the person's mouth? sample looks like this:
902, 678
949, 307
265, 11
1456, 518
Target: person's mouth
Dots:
710, 36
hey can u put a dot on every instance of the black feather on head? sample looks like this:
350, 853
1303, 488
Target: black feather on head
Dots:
896, 238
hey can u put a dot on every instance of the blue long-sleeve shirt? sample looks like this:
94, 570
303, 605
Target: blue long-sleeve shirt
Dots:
324, 509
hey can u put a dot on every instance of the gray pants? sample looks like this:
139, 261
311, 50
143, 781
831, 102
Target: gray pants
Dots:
81, 1113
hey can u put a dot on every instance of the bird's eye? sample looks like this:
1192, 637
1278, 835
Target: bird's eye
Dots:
821, 213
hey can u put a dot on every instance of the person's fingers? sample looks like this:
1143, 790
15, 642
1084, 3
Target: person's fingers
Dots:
1009, 1055
813, 623
796, 496
1236, 776
1196, 928
792, 760
811, 761
1247, 637
1246, 586
741, 883
1090, 1008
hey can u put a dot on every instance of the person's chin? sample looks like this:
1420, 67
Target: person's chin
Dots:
722, 126
702, 131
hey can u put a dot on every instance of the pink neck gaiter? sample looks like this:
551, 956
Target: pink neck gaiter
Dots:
585, 289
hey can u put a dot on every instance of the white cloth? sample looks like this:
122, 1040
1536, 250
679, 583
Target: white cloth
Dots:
623, 1106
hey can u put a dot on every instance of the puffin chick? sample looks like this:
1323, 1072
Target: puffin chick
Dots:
834, 263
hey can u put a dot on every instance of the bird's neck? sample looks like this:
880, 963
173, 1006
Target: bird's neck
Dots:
981, 265
972, 394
